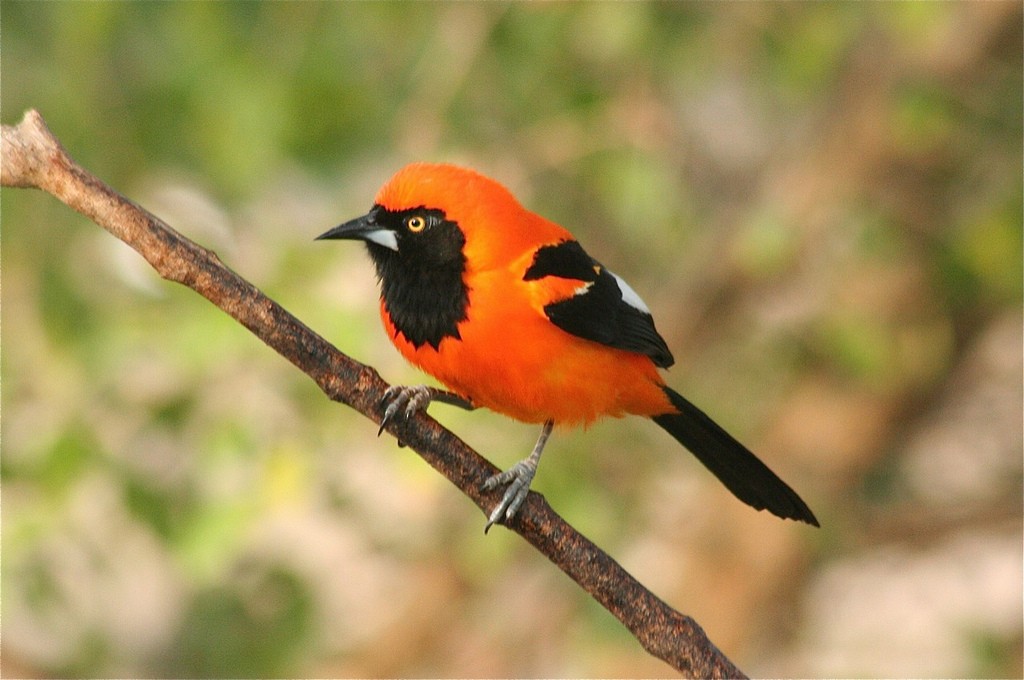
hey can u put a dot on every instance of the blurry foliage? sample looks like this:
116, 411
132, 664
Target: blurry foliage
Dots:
822, 202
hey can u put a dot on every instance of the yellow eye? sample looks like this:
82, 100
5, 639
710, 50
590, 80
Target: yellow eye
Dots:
416, 224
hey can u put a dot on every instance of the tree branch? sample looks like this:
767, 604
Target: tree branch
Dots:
33, 158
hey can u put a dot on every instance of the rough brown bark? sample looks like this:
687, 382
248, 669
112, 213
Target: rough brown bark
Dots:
33, 158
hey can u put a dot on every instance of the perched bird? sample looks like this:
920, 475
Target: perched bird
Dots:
508, 311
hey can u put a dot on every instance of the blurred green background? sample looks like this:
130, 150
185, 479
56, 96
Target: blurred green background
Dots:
821, 203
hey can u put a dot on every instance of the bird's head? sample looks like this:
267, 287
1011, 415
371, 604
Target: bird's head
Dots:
421, 233
423, 213
430, 214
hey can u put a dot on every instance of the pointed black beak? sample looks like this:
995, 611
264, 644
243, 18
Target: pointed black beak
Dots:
353, 229
363, 228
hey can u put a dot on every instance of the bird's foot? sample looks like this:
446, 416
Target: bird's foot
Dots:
409, 399
406, 399
518, 479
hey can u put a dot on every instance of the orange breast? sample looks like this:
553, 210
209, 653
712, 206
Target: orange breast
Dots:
514, 361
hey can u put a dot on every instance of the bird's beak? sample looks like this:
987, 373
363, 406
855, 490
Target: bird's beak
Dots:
363, 228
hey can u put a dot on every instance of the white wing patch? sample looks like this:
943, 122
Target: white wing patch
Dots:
629, 296
583, 289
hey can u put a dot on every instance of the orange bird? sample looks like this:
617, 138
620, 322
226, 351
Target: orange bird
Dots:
508, 311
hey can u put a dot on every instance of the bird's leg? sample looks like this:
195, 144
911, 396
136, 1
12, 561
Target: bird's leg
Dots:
518, 477
413, 398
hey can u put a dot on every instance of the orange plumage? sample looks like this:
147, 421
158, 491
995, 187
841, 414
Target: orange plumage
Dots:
508, 311
511, 358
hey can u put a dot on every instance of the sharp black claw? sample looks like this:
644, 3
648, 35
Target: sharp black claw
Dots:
389, 413
387, 398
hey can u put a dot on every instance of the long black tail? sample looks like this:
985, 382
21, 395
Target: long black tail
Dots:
740, 470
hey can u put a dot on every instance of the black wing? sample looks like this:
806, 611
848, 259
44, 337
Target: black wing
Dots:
604, 310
